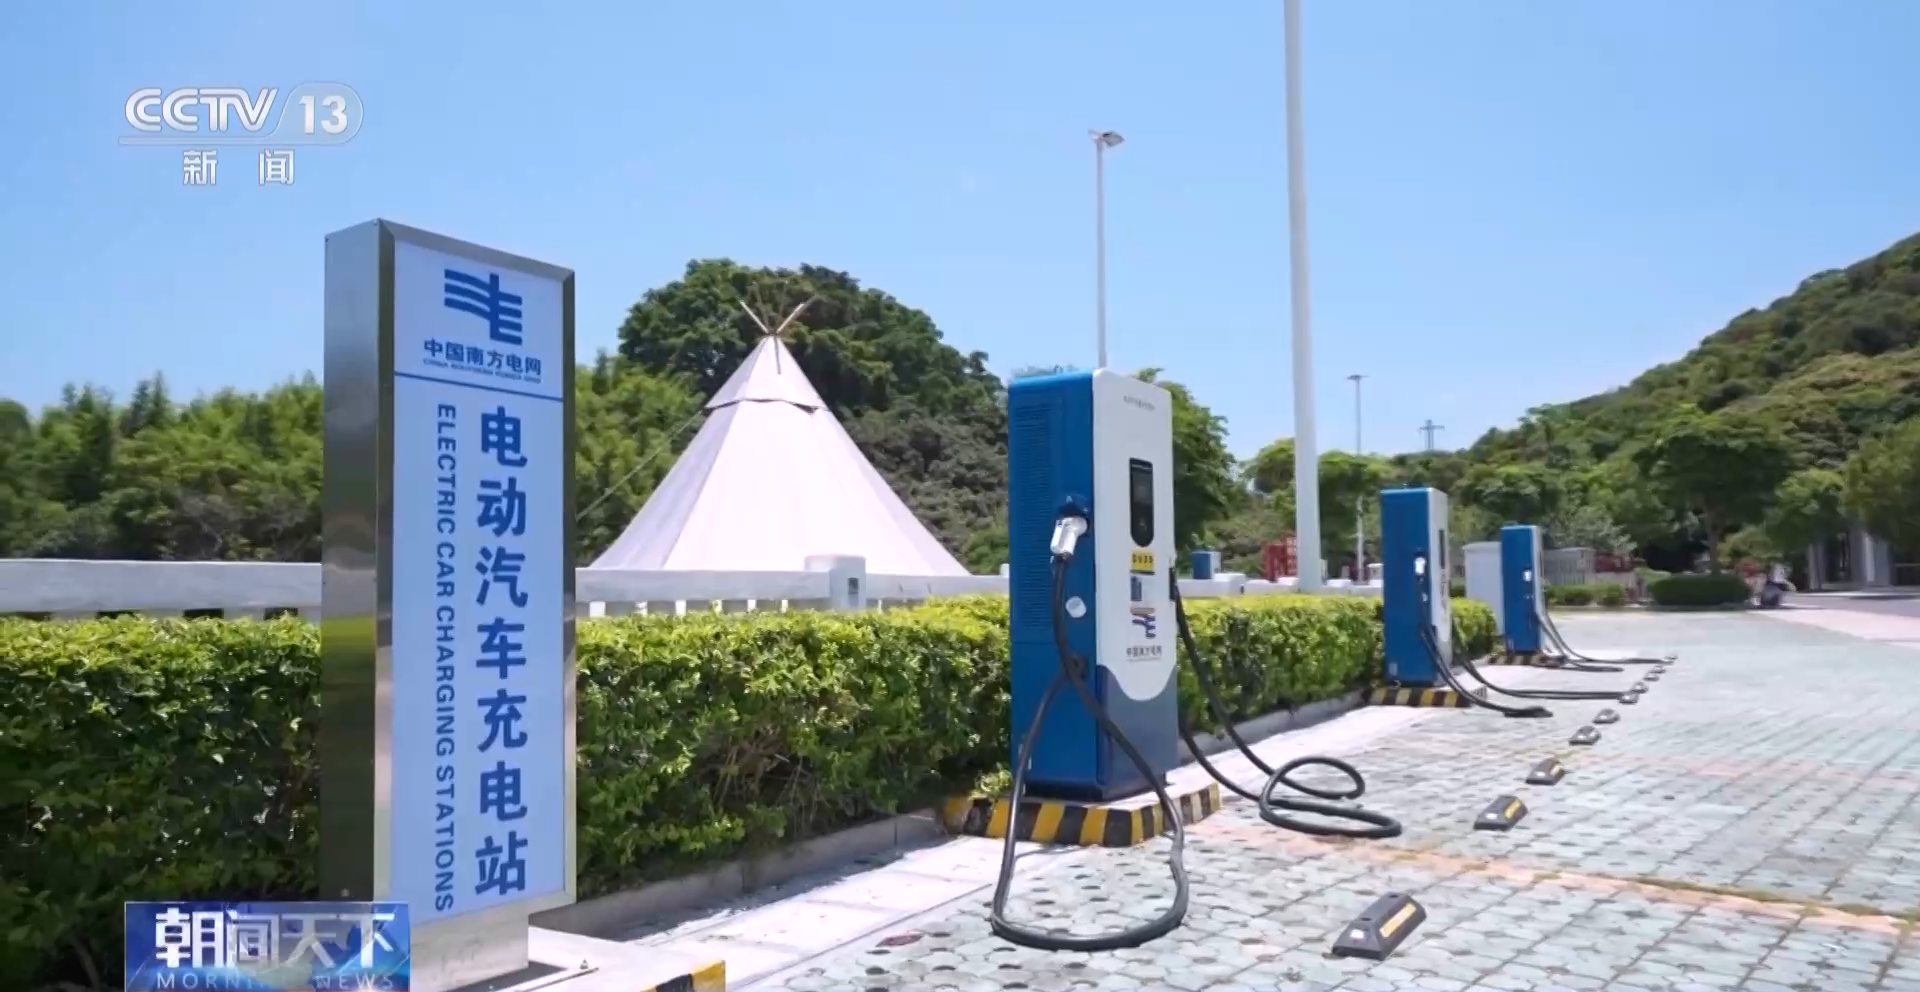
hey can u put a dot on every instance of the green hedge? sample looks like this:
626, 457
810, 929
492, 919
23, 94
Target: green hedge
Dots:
1587, 594
147, 759
1718, 589
1273, 652
1474, 629
176, 758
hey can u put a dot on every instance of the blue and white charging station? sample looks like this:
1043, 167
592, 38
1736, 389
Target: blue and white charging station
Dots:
1103, 443
1415, 584
1522, 590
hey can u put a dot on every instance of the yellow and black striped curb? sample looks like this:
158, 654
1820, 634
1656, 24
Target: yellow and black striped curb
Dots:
1531, 659
1410, 696
709, 977
1048, 821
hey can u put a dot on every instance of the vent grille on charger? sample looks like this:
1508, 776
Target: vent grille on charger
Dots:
1030, 446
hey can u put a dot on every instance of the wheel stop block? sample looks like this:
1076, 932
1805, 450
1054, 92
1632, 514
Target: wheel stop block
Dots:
1501, 814
1606, 716
1379, 930
1585, 735
1547, 772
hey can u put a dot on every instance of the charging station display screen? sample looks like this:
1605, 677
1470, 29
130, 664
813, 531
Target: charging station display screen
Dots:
1140, 500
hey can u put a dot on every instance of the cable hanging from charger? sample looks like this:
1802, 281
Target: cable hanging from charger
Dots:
1560, 641
1068, 528
1374, 825
1444, 666
1570, 694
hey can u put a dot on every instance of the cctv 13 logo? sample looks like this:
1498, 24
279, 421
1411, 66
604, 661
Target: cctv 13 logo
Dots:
308, 114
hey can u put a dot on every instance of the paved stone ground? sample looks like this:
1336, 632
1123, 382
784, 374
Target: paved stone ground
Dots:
1751, 823
1902, 601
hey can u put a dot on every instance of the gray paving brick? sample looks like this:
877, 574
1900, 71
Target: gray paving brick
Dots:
1738, 771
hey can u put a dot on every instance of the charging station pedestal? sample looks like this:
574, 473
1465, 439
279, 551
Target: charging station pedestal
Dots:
1522, 588
1416, 584
1103, 442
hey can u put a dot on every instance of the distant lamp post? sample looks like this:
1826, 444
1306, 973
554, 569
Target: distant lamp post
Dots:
1102, 140
1360, 501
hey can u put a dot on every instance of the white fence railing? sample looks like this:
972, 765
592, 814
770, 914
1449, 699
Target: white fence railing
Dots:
66, 589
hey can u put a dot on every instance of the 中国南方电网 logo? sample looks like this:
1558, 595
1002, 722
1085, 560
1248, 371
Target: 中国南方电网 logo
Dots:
267, 946
308, 114
485, 299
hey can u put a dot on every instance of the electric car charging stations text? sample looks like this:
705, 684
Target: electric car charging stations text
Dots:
1415, 579
1101, 444
1523, 597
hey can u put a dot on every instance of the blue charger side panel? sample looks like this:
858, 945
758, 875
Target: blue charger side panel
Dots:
1518, 573
1049, 460
1403, 535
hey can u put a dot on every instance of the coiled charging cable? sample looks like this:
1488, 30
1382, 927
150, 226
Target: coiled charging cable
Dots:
1073, 672
1373, 825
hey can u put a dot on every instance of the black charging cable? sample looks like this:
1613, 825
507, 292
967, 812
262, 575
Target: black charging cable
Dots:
1372, 826
1444, 666
1560, 641
1073, 672
1474, 671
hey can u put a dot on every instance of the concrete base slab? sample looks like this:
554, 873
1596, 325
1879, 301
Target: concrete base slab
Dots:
1428, 698
1122, 823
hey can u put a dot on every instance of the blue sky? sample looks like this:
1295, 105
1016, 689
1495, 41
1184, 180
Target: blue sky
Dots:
1510, 203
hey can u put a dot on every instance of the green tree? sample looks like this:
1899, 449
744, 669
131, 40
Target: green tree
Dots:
861, 348
1722, 468
930, 418
1242, 535
1441, 470
1806, 510
1523, 493
1880, 482
1616, 487
1348, 481
1204, 488
1585, 526
986, 550
629, 426
24, 511
1344, 480
1270, 470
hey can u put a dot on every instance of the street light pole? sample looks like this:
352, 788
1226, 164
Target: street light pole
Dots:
1306, 448
1102, 140
1360, 501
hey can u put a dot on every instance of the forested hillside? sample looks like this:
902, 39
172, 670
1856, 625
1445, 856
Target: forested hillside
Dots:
1745, 441
1752, 444
1821, 370
1831, 362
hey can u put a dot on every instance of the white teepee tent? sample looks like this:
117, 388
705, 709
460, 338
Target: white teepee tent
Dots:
771, 478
